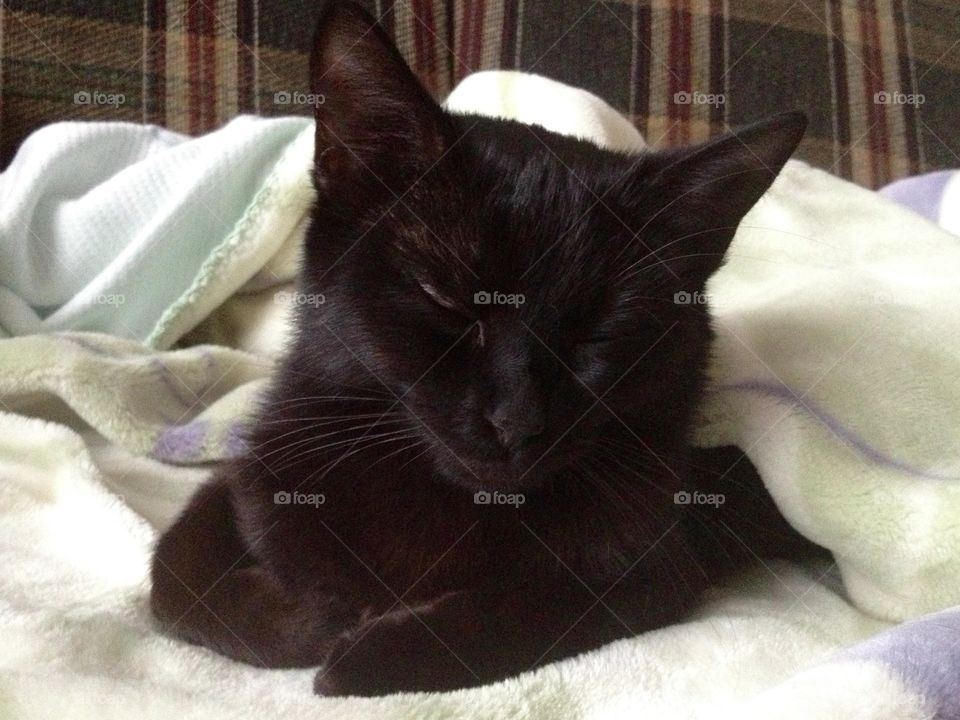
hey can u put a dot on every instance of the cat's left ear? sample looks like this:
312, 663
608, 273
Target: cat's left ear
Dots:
376, 124
705, 190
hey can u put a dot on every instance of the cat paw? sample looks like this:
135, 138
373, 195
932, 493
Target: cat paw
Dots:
362, 662
395, 652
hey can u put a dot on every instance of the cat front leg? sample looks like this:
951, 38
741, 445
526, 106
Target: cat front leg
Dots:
209, 590
463, 639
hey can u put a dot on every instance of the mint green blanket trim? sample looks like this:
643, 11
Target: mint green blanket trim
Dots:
275, 210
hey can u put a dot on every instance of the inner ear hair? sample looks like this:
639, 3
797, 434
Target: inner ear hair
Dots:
374, 109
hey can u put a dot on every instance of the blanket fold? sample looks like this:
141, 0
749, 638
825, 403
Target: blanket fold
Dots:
140, 232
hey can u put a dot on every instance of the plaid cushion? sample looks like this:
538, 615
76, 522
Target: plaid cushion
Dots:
880, 79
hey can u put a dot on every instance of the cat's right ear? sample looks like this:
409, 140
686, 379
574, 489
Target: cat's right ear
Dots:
376, 124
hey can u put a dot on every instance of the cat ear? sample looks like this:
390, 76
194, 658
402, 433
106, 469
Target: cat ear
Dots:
376, 123
708, 188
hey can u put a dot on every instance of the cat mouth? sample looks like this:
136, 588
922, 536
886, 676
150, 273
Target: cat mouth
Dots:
498, 475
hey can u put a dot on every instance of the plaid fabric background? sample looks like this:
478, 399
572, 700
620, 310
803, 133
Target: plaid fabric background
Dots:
880, 79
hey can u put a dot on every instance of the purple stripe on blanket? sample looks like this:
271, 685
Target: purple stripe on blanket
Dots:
235, 442
922, 193
181, 443
858, 443
925, 653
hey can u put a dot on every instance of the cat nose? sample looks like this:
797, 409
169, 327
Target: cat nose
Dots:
515, 430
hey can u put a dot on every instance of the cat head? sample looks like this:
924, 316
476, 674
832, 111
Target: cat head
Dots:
523, 294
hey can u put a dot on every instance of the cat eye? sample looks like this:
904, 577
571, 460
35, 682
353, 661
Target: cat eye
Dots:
448, 306
438, 297
601, 340
637, 329
456, 322
591, 341
595, 339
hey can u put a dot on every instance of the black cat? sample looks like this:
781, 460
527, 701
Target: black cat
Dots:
469, 461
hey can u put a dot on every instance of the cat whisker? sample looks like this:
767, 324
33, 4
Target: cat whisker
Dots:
355, 416
689, 191
305, 399
657, 253
425, 449
624, 278
286, 460
391, 454
314, 426
642, 462
291, 458
353, 451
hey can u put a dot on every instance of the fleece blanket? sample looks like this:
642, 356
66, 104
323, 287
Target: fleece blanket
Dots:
934, 195
835, 370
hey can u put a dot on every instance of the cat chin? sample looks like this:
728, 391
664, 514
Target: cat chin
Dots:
495, 476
